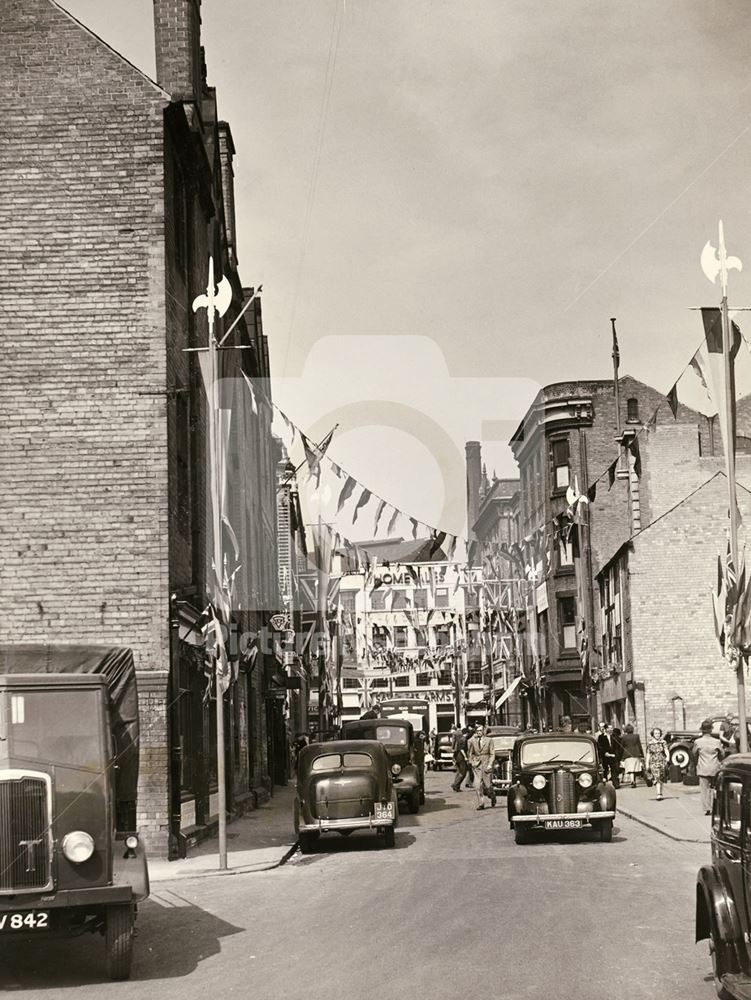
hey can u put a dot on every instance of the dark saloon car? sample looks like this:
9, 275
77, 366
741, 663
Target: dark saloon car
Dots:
443, 752
723, 888
557, 784
503, 738
406, 754
344, 785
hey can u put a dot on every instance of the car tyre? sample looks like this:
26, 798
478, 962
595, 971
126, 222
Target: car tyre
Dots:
521, 834
389, 836
680, 757
119, 922
724, 959
606, 830
307, 842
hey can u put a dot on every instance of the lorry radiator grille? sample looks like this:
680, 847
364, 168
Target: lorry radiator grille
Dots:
562, 792
24, 823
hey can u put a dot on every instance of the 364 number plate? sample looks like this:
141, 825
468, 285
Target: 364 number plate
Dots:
35, 920
563, 824
384, 810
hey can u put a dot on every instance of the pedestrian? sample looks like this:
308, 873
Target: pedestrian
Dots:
633, 755
617, 737
481, 752
467, 732
607, 752
656, 761
707, 752
727, 735
460, 760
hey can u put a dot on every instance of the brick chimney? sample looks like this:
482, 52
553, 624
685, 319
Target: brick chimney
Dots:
474, 478
177, 34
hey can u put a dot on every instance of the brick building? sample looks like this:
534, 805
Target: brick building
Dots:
116, 189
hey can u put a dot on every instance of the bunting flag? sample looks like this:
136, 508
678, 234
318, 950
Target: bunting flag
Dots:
591, 492
254, 404
415, 525
364, 499
633, 447
699, 371
346, 493
439, 538
673, 401
392, 522
611, 473
451, 547
379, 511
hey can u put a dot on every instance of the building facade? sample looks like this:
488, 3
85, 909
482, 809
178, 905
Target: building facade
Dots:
117, 190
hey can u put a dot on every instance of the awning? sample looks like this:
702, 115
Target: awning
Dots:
508, 692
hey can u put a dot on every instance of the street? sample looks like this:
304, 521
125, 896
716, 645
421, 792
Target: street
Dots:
455, 909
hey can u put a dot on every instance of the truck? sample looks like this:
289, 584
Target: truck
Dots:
71, 860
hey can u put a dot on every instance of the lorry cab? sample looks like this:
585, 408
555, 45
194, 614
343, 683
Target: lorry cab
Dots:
70, 858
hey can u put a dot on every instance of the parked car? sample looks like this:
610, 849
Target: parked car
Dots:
504, 738
723, 904
444, 752
344, 785
681, 742
557, 783
406, 754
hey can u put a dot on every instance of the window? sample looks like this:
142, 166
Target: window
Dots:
730, 807
400, 600
632, 411
421, 637
379, 682
400, 636
401, 681
420, 599
441, 597
350, 682
567, 622
542, 634
423, 680
347, 600
566, 550
380, 637
474, 675
378, 600
610, 604
442, 636
560, 455
444, 675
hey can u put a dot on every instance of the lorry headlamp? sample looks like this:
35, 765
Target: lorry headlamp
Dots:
539, 781
585, 780
396, 769
131, 842
78, 846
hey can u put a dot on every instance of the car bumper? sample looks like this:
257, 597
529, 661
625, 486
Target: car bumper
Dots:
93, 897
540, 818
360, 823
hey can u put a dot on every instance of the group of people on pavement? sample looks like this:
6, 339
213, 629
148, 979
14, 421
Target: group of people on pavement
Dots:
474, 755
623, 756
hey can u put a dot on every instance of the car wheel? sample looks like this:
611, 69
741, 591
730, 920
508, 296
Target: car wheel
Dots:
118, 940
606, 830
307, 842
521, 834
389, 836
724, 959
680, 757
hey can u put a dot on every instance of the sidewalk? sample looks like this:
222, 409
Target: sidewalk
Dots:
261, 839
679, 815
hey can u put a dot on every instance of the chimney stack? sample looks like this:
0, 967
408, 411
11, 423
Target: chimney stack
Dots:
177, 34
474, 477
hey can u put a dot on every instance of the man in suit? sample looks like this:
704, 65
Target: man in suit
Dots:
606, 746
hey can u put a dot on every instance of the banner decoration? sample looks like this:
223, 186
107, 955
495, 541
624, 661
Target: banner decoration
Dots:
346, 493
362, 502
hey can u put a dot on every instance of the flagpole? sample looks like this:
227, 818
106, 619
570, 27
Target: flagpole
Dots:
732, 498
616, 389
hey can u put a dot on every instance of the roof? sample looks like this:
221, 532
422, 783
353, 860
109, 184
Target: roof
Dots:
547, 737
392, 722
342, 746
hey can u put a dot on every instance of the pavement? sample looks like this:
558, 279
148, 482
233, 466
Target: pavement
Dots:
261, 839
679, 815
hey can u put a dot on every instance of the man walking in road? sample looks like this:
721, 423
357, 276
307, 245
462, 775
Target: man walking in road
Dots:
481, 756
460, 759
607, 753
706, 752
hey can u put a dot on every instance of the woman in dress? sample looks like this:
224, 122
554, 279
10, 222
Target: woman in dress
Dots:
633, 755
657, 758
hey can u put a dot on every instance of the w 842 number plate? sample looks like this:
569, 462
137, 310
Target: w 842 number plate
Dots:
35, 920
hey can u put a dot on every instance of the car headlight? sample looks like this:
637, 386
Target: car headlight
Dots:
131, 842
396, 769
585, 780
539, 781
78, 846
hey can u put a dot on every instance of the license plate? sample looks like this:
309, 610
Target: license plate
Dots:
384, 810
562, 824
34, 920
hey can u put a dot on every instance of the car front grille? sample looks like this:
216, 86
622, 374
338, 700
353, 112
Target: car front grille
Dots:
562, 797
24, 834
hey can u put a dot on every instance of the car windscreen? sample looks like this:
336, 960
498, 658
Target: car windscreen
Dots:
393, 735
332, 761
555, 751
58, 727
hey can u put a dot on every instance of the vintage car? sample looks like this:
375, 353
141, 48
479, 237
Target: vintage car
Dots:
557, 784
406, 754
680, 744
342, 786
443, 752
504, 738
723, 900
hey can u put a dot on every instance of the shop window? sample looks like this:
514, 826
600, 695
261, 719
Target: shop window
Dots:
567, 622
561, 463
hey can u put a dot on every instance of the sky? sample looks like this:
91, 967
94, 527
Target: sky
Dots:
445, 203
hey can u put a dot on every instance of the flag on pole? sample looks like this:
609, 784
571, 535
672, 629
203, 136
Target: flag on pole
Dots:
710, 361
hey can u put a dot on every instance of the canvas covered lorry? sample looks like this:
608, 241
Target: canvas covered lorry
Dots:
71, 860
